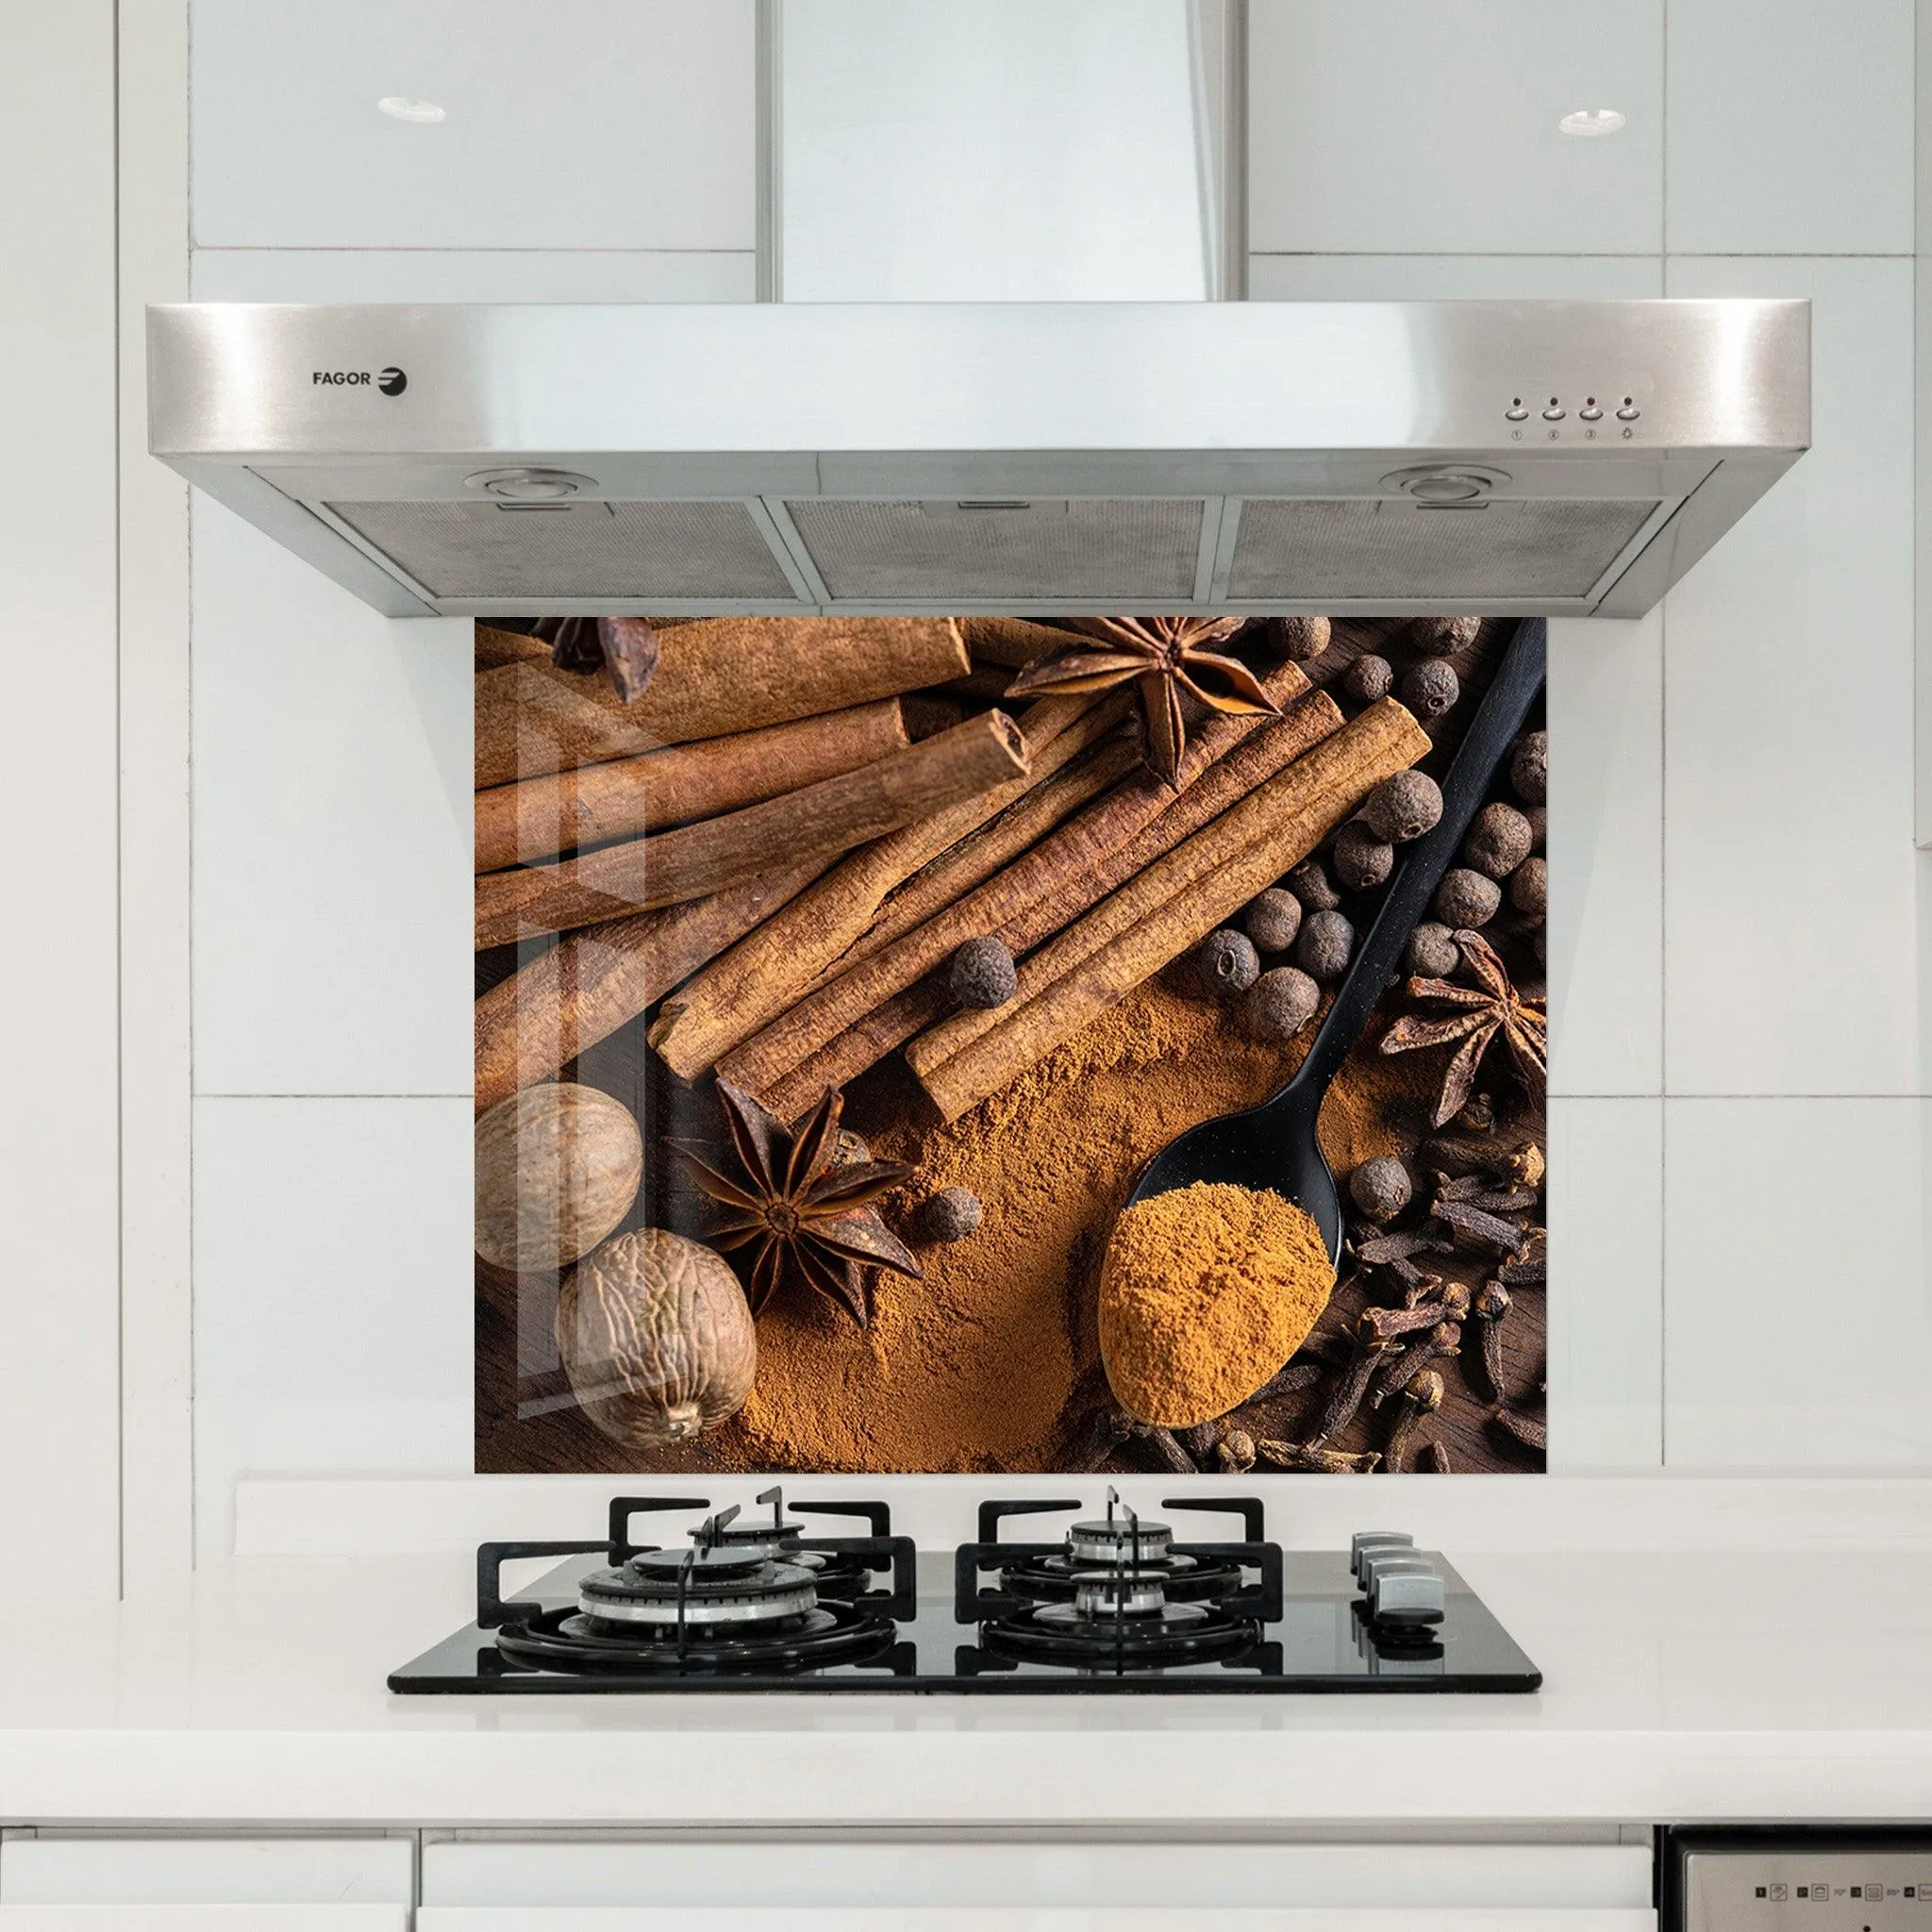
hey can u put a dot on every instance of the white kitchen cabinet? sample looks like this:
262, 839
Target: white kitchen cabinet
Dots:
578, 123
616, 1885
1007, 1919
109, 1880
127, 1918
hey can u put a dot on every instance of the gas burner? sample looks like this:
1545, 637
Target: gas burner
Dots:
1118, 1539
1119, 1593
823, 1634
706, 1588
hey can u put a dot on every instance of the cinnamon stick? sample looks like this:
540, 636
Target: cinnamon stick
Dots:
817, 821
541, 817
715, 675
597, 979
1012, 640
1224, 762
827, 1027
770, 970
1183, 896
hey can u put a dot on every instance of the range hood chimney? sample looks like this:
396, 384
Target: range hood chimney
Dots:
1098, 439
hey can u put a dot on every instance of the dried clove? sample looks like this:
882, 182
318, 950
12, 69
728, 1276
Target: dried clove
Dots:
1236, 1452
1296, 1376
1386, 1324
1200, 1440
1532, 1271
1527, 1429
1473, 1227
1380, 1250
1423, 1396
1443, 1339
1170, 1454
1436, 1455
1310, 1459
1491, 1304
1350, 1387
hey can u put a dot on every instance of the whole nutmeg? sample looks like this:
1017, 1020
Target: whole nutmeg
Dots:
982, 974
950, 1215
1361, 860
1226, 962
1273, 919
1313, 887
1322, 950
1403, 808
1529, 888
1466, 899
1539, 944
656, 1337
1529, 766
1436, 637
1368, 677
1499, 840
1280, 1003
1380, 1188
558, 1167
1431, 953
1538, 817
1431, 688
1298, 638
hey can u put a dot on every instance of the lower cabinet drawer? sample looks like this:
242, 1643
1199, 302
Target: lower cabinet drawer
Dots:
84, 1869
139, 1918
778, 1918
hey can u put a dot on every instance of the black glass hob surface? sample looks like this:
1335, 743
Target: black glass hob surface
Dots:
821, 1597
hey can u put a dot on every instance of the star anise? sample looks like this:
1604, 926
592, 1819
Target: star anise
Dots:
810, 1215
1478, 1014
1161, 657
624, 648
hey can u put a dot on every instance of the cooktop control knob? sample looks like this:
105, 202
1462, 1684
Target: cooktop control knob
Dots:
1385, 1561
1365, 1540
1406, 1593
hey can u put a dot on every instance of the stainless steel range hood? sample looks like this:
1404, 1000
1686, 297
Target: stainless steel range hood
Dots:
1503, 458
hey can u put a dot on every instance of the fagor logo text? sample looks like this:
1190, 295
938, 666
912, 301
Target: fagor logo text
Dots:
390, 381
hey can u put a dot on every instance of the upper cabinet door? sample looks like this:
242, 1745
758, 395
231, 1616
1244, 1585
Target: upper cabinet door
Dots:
130, 1918
1412, 127
573, 123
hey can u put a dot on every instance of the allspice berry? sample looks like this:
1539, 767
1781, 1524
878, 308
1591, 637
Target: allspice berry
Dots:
1529, 888
1313, 887
1361, 860
982, 974
1436, 637
1538, 817
1226, 962
1404, 808
950, 1215
1273, 919
1326, 941
1466, 900
1368, 677
1298, 638
1529, 766
1280, 1003
1431, 953
1431, 688
1498, 842
1380, 1188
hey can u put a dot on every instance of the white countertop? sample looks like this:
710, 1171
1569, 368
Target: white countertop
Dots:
1676, 1687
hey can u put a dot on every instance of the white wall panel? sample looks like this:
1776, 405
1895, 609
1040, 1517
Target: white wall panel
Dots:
1791, 128
206, 1870
1453, 277
332, 1291
1791, 888
1403, 126
1797, 1322
1607, 1284
59, 1159
333, 926
577, 123
460, 274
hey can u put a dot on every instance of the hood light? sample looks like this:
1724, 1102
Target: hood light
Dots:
399, 107
1591, 122
531, 486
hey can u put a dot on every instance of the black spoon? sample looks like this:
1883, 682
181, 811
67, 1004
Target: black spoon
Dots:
1273, 1146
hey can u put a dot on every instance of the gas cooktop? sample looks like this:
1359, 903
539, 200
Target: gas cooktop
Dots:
1111, 1602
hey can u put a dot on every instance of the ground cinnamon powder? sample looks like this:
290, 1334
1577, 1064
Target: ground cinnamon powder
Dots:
993, 1360
1206, 1291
